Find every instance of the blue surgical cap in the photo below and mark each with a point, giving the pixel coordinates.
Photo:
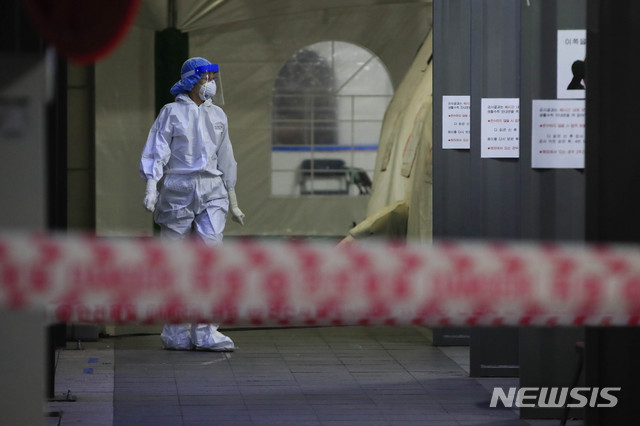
(191, 73)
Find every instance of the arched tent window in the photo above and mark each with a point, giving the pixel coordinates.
(329, 101)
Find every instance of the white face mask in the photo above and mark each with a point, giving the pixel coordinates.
(208, 90)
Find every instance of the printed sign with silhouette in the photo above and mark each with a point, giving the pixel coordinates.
(572, 61)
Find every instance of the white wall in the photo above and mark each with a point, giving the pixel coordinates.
(124, 85)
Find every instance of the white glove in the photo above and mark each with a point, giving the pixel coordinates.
(237, 214)
(151, 195)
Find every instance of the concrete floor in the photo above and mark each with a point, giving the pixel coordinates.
(294, 376)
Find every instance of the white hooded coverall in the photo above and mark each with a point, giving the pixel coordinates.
(189, 147)
(189, 153)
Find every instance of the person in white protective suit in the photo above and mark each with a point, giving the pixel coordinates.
(191, 174)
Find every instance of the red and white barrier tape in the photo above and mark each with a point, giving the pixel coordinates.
(98, 280)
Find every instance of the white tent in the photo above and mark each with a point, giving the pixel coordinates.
(401, 203)
(252, 40)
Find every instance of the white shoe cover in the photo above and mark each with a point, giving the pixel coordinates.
(177, 336)
(207, 336)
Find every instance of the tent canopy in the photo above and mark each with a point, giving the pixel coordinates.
(251, 40)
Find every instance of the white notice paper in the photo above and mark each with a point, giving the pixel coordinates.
(500, 128)
(456, 122)
(557, 134)
(572, 55)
